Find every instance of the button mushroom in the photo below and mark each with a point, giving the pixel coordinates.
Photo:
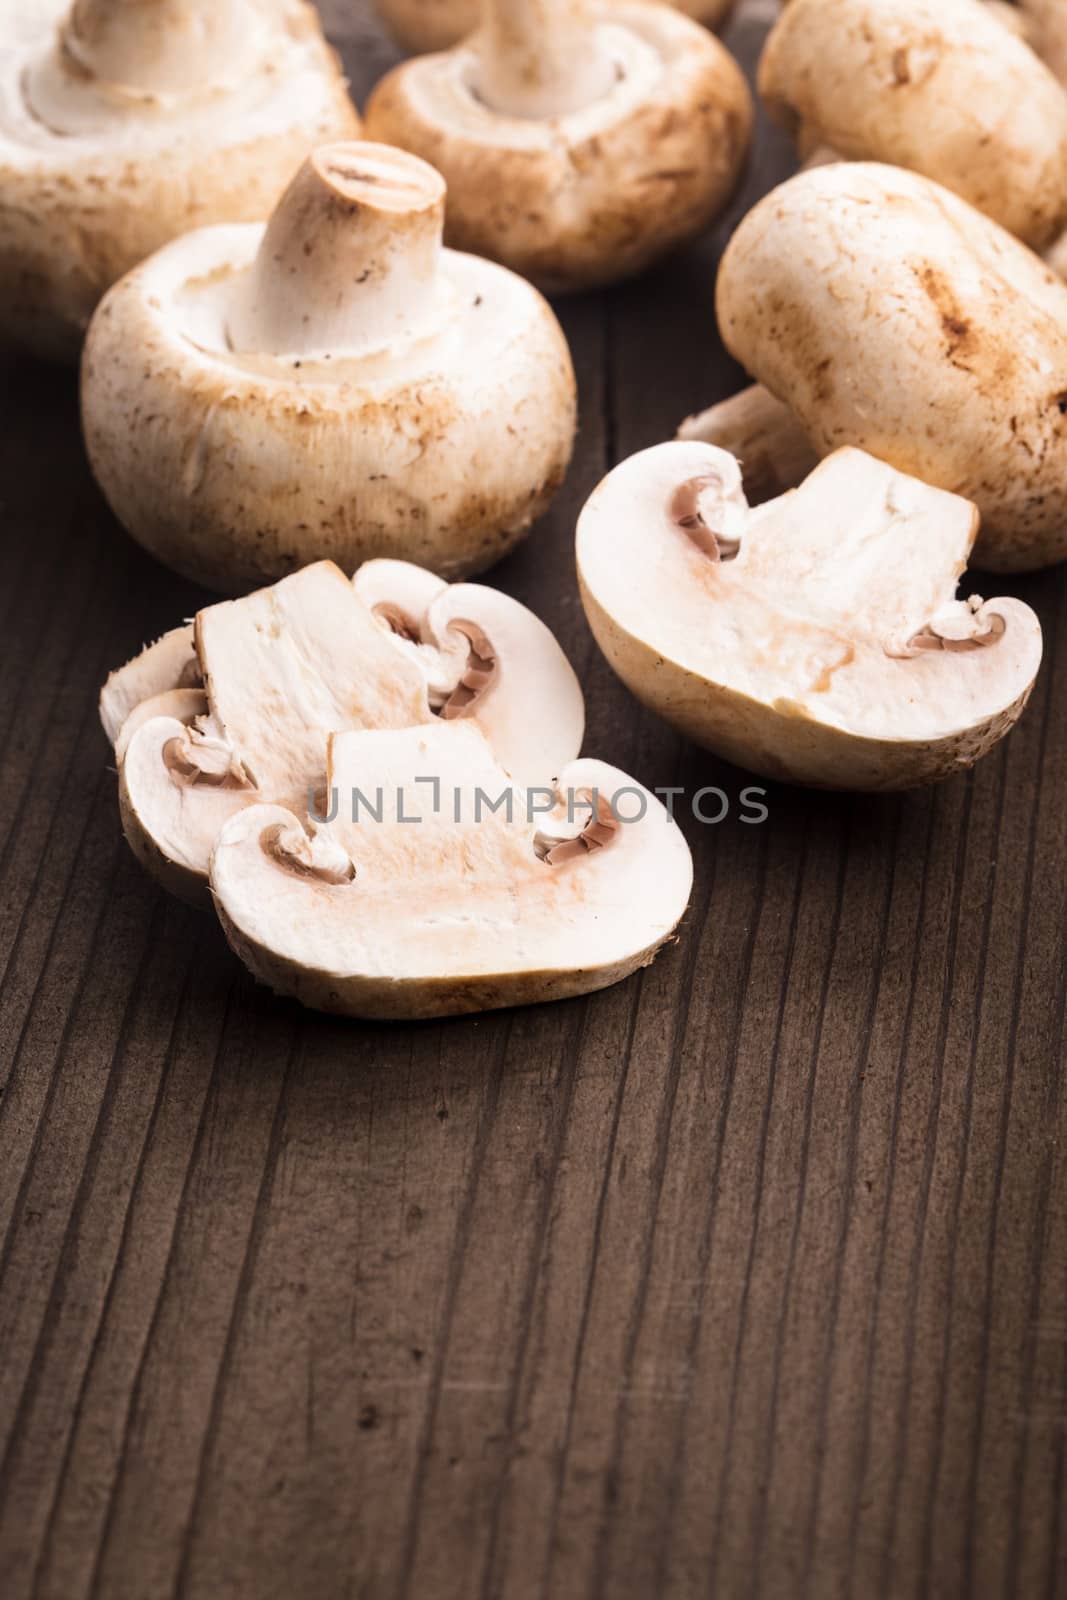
(933, 85)
(816, 639)
(129, 124)
(237, 709)
(433, 891)
(579, 142)
(889, 314)
(424, 25)
(332, 385)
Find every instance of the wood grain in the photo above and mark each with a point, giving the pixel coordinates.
(746, 1278)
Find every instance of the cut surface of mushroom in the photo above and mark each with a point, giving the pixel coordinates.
(425, 897)
(333, 385)
(421, 26)
(937, 86)
(830, 649)
(887, 313)
(578, 141)
(124, 125)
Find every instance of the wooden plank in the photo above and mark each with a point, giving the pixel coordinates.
(744, 1278)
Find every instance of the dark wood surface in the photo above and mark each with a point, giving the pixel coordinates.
(746, 1278)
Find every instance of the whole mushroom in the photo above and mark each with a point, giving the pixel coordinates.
(817, 639)
(579, 142)
(420, 26)
(885, 312)
(330, 385)
(128, 124)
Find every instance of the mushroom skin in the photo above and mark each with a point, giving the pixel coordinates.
(814, 640)
(431, 911)
(330, 386)
(1048, 32)
(889, 314)
(578, 164)
(421, 26)
(127, 125)
(931, 85)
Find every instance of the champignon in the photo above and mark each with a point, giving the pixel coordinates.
(579, 143)
(817, 639)
(275, 673)
(887, 313)
(331, 386)
(1048, 30)
(424, 25)
(933, 85)
(434, 892)
(129, 124)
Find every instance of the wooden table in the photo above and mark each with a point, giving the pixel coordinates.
(746, 1278)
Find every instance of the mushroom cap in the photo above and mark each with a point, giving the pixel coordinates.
(408, 919)
(420, 26)
(933, 85)
(891, 315)
(93, 179)
(284, 668)
(829, 649)
(597, 194)
(234, 469)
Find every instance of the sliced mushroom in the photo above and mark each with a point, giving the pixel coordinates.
(430, 902)
(168, 664)
(933, 85)
(333, 385)
(484, 656)
(830, 650)
(420, 26)
(579, 142)
(128, 124)
(887, 313)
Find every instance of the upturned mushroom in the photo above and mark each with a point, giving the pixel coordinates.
(817, 639)
(434, 891)
(579, 142)
(236, 709)
(128, 124)
(333, 385)
(420, 26)
(885, 312)
(937, 86)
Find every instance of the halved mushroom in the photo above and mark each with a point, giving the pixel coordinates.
(933, 85)
(887, 313)
(283, 668)
(130, 124)
(420, 26)
(433, 892)
(579, 142)
(333, 385)
(817, 639)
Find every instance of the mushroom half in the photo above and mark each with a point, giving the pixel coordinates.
(123, 125)
(933, 85)
(420, 26)
(816, 639)
(333, 385)
(887, 313)
(277, 672)
(579, 141)
(437, 888)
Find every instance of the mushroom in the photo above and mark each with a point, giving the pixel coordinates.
(1048, 30)
(420, 26)
(275, 673)
(816, 639)
(763, 434)
(887, 313)
(937, 86)
(331, 385)
(579, 143)
(419, 899)
(128, 124)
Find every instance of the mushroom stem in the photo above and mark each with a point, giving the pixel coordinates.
(765, 437)
(348, 262)
(541, 58)
(155, 47)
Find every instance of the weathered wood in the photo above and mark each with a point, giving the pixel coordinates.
(748, 1277)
